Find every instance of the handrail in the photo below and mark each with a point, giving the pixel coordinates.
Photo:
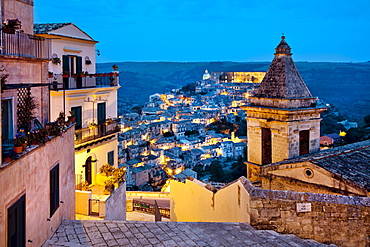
(150, 208)
(89, 134)
(25, 45)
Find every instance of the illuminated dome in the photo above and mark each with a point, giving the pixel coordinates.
(206, 75)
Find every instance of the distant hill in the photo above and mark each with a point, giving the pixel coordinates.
(346, 85)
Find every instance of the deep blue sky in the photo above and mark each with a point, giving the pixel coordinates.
(217, 30)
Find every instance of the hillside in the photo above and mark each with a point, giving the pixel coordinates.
(345, 85)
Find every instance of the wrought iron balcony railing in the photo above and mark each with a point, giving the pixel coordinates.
(60, 82)
(98, 131)
(25, 45)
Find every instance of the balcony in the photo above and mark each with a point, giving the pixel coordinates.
(61, 82)
(24, 45)
(96, 132)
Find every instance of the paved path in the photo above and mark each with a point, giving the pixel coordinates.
(76, 233)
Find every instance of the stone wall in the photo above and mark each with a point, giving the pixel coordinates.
(340, 220)
(115, 205)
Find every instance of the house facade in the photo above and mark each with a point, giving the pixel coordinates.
(88, 96)
(37, 180)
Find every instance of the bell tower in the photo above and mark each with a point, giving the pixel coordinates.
(283, 120)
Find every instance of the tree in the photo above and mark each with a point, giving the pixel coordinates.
(367, 120)
(216, 171)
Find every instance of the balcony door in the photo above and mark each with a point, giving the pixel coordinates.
(17, 223)
(72, 65)
(88, 170)
(101, 117)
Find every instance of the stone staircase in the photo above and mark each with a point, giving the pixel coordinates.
(138, 233)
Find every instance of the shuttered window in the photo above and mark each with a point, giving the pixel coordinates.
(54, 189)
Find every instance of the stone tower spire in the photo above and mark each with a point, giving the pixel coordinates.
(282, 118)
(282, 79)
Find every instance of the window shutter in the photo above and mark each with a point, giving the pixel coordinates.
(65, 64)
(79, 65)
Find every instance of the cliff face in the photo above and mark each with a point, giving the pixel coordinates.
(345, 85)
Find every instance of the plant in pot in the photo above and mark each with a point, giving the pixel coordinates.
(65, 74)
(18, 148)
(106, 169)
(92, 125)
(3, 78)
(71, 116)
(55, 60)
(109, 186)
(50, 74)
(10, 25)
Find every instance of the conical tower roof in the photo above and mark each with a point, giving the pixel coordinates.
(282, 79)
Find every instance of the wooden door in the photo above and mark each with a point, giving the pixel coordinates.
(17, 223)
(266, 146)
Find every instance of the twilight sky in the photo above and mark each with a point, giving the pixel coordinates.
(217, 30)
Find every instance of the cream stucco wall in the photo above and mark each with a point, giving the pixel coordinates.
(88, 100)
(73, 47)
(192, 202)
(98, 152)
(29, 176)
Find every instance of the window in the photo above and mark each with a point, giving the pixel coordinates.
(111, 158)
(78, 114)
(304, 142)
(7, 119)
(266, 146)
(54, 189)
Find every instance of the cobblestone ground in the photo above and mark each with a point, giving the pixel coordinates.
(138, 233)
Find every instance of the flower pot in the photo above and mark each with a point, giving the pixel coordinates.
(7, 159)
(24, 146)
(111, 84)
(73, 119)
(18, 150)
(65, 76)
(50, 76)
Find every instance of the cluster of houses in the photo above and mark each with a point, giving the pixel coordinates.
(172, 133)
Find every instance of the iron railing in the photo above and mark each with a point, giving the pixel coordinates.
(60, 82)
(150, 208)
(98, 131)
(25, 45)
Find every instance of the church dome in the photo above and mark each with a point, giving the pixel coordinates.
(206, 75)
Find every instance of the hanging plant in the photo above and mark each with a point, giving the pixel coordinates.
(3, 77)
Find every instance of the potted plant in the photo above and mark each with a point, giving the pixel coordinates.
(115, 67)
(18, 148)
(71, 116)
(65, 74)
(92, 125)
(55, 60)
(3, 78)
(109, 186)
(50, 74)
(111, 81)
(107, 169)
(10, 25)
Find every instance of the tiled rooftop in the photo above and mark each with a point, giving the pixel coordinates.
(47, 27)
(350, 161)
(133, 233)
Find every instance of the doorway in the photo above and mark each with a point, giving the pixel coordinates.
(88, 170)
(17, 223)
